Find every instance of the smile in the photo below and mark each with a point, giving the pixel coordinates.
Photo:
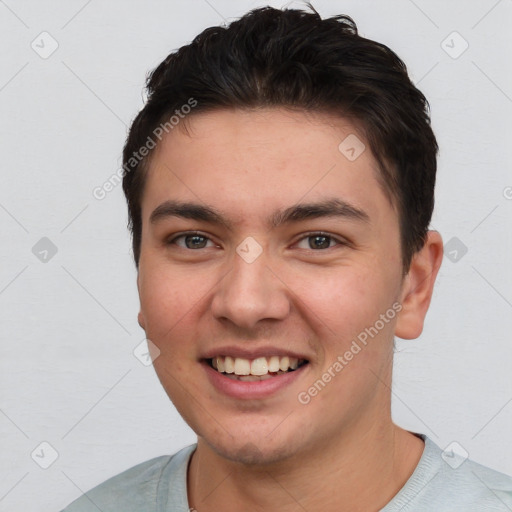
(242, 384)
(261, 368)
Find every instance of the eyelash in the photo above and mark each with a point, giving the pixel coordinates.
(312, 234)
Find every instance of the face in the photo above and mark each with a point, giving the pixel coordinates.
(255, 272)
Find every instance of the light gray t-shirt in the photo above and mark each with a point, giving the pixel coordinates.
(449, 484)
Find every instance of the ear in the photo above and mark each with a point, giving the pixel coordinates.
(140, 316)
(141, 321)
(418, 287)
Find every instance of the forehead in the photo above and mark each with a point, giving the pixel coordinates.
(254, 161)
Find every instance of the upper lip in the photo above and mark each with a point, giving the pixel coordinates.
(254, 353)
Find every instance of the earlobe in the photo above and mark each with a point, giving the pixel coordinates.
(140, 316)
(140, 319)
(418, 287)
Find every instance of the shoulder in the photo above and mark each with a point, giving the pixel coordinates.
(141, 487)
(477, 487)
(448, 482)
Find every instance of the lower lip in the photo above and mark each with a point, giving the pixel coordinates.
(251, 390)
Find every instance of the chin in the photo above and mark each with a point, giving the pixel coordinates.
(253, 450)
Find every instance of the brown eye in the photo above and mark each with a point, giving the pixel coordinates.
(318, 241)
(191, 241)
(195, 241)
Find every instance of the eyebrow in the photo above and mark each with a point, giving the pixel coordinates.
(334, 207)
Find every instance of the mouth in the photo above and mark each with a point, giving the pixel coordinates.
(253, 370)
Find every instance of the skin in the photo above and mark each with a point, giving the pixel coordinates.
(341, 451)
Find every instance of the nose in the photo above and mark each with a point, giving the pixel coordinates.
(249, 293)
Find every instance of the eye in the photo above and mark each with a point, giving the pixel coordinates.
(315, 241)
(191, 240)
(320, 241)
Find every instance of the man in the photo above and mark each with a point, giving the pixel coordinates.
(280, 185)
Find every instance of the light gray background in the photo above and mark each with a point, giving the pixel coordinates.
(68, 375)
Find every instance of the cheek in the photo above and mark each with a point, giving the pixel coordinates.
(166, 299)
(344, 300)
(345, 305)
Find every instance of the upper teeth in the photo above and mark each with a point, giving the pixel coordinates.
(258, 366)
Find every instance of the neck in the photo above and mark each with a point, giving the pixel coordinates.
(361, 471)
